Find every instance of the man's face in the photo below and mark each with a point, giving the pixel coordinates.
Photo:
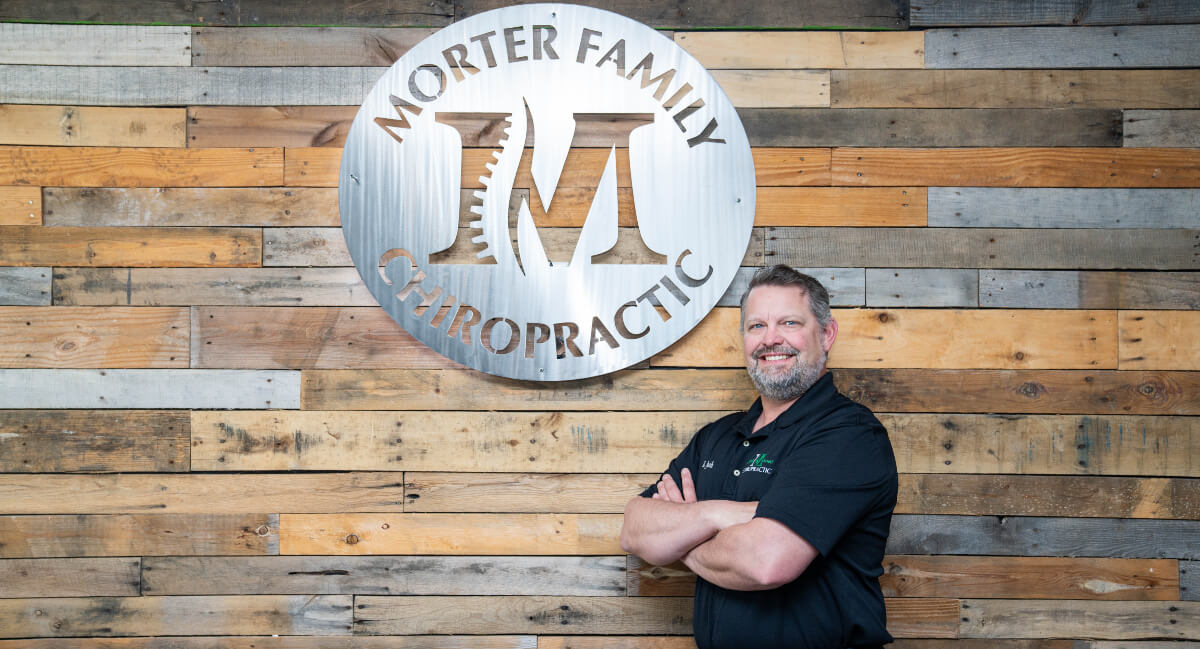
(785, 346)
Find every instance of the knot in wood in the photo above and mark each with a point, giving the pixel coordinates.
(352, 539)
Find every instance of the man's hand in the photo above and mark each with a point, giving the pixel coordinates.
(669, 492)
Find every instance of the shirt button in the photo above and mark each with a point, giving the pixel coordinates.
(737, 472)
(746, 443)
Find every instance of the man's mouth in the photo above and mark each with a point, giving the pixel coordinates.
(775, 357)
(775, 354)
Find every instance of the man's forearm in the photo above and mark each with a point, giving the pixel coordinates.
(662, 532)
(757, 555)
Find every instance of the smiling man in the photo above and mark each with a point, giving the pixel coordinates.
(782, 511)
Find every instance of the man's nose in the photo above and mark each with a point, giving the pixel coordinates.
(772, 336)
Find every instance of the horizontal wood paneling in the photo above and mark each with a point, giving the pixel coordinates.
(774, 88)
(940, 287)
(595, 493)
(1068, 619)
(94, 337)
(840, 206)
(107, 577)
(93, 440)
(20, 388)
(815, 49)
(210, 286)
(287, 642)
(185, 206)
(1004, 207)
(140, 167)
(25, 286)
(20, 206)
(302, 46)
(1159, 340)
(92, 126)
(846, 286)
(138, 534)
(1066, 289)
(716, 13)
(613, 642)
(1136, 46)
(1162, 128)
(1050, 12)
(288, 126)
(94, 45)
(71, 246)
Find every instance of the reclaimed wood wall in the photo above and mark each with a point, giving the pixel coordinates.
(209, 431)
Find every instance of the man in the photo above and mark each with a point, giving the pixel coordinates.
(782, 511)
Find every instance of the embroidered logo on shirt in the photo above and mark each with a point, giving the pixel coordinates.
(759, 464)
(707, 464)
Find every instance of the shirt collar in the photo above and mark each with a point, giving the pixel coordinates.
(814, 399)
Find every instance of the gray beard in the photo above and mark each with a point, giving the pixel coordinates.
(790, 385)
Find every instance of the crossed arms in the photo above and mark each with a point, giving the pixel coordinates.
(719, 540)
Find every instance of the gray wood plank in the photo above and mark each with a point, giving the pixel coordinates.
(393, 575)
(103, 577)
(1039, 207)
(916, 127)
(231, 389)
(220, 287)
(98, 45)
(124, 535)
(922, 287)
(844, 14)
(1001, 618)
(984, 248)
(25, 286)
(233, 12)
(1189, 581)
(303, 46)
(1162, 128)
(35, 441)
(344, 642)
(1137, 46)
(190, 206)
(1068, 289)
(1044, 537)
(947, 13)
(846, 286)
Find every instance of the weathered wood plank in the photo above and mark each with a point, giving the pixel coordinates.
(716, 13)
(108, 577)
(589, 576)
(1069, 289)
(984, 248)
(210, 287)
(139, 167)
(775, 88)
(1189, 581)
(1044, 537)
(1050, 12)
(997, 618)
(593, 493)
(1124, 46)
(89, 440)
(138, 535)
(116, 246)
(235, 13)
(840, 206)
(940, 287)
(20, 205)
(985, 339)
(186, 206)
(450, 534)
(613, 642)
(286, 126)
(303, 46)
(299, 642)
(92, 126)
(1162, 128)
(1005, 207)
(50, 337)
(323, 615)
(124, 389)
(820, 50)
(846, 286)
(95, 45)
(25, 286)
(1014, 88)
(1159, 340)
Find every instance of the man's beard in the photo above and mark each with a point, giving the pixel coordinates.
(789, 385)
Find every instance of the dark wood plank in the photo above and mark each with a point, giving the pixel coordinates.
(41, 441)
(887, 14)
(294, 642)
(1162, 128)
(107, 577)
(413, 575)
(139, 167)
(1138, 46)
(998, 618)
(25, 286)
(1070, 289)
(187, 206)
(287, 126)
(1038, 207)
(1035, 495)
(948, 13)
(138, 535)
(234, 12)
(87, 246)
(210, 287)
(117, 337)
(303, 46)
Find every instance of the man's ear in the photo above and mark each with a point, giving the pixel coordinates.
(829, 334)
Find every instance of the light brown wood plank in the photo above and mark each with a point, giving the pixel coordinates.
(1159, 340)
(118, 337)
(138, 535)
(775, 88)
(140, 167)
(93, 126)
(841, 206)
(211, 287)
(20, 206)
(593, 493)
(93, 440)
(188, 206)
(451, 534)
(805, 49)
(124, 247)
(613, 642)
(998, 618)
(107, 577)
(303, 46)
(285, 642)
(271, 126)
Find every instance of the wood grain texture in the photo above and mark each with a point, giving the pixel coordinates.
(1014, 88)
(846, 286)
(302, 46)
(1189, 581)
(775, 88)
(321, 615)
(1067, 289)
(118, 337)
(139, 167)
(417, 575)
(613, 642)
(92, 126)
(1005, 207)
(286, 126)
(984, 248)
(44, 441)
(450, 534)
(1052, 12)
(840, 206)
(1124, 46)
(25, 286)
(937, 287)
(126, 389)
(236, 13)
(107, 577)
(100, 246)
(94, 45)
(592, 493)
(820, 50)
(210, 287)
(186, 206)
(983, 618)
(20, 205)
(138, 534)
(715, 13)
(1162, 128)
(289, 642)
(1164, 340)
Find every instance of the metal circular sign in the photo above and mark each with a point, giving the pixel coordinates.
(547, 192)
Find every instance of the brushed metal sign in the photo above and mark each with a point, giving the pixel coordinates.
(472, 273)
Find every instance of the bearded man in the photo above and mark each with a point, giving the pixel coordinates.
(782, 511)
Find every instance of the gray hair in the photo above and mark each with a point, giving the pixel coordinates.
(781, 275)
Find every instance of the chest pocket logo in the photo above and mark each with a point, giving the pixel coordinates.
(707, 464)
(760, 464)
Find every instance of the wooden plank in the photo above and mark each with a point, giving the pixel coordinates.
(984, 248)
(93, 337)
(1005, 207)
(124, 389)
(846, 286)
(985, 339)
(1070, 289)
(1018, 167)
(560, 442)
(947, 13)
(451, 534)
(938, 287)
(139, 167)
(322, 615)
(840, 206)
(994, 618)
(822, 50)
(290, 642)
(593, 493)
(92, 125)
(1162, 128)
(115, 246)
(95, 45)
(303, 46)
(195, 494)
(235, 13)
(442, 575)
(1189, 581)
(716, 13)
(25, 286)
(138, 534)
(1014, 89)
(186, 206)
(1022, 536)
(1124, 46)
(1159, 340)
(108, 577)
(914, 127)
(20, 205)
(286, 126)
(89, 440)
(613, 642)
(210, 287)
(775, 88)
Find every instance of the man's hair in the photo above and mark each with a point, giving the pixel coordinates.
(781, 275)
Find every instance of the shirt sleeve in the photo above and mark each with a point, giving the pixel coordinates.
(686, 458)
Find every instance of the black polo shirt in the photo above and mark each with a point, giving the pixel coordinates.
(825, 469)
